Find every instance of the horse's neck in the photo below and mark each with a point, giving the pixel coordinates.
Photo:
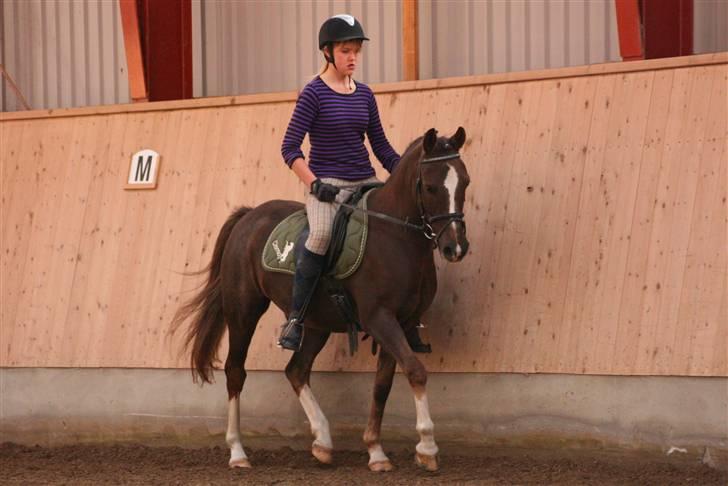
(397, 197)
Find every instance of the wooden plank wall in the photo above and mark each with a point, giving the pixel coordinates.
(597, 218)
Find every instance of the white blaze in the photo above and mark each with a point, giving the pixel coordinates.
(451, 184)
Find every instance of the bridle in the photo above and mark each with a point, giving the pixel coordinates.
(427, 221)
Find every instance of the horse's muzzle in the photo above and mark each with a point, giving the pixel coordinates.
(455, 251)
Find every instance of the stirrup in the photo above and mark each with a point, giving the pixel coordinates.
(291, 336)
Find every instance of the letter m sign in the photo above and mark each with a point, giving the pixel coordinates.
(143, 170)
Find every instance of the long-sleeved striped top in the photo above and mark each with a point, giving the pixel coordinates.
(336, 124)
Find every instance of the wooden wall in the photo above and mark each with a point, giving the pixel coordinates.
(597, 218)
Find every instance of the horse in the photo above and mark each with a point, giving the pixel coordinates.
(393, 287)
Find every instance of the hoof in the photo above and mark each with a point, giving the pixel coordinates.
(381, 466)
(428, 462)
(239, 463)
(322, 454)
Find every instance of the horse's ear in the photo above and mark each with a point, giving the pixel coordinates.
(428, 143)
(458, 139)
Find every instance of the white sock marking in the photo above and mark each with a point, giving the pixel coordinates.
(232, 436)
(376, 454)
(425, 427)
(319, 424)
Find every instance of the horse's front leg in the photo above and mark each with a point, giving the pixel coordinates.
(390, 336)
(298, 373)
(378, 461)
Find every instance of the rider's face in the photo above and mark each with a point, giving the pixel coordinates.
(346, 56)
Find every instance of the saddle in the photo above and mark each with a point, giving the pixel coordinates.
(346, 249)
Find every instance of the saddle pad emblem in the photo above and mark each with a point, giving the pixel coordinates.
(282, 256)
(279, 248)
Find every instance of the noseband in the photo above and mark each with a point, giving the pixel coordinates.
(427, 220)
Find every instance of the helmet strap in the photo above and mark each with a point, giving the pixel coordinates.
(330, 57)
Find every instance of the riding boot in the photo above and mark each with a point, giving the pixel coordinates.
(309, 268)
(415, 342)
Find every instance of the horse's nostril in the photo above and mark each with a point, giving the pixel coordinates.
(448, 251)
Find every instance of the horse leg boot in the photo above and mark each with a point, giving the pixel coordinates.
(309, 268)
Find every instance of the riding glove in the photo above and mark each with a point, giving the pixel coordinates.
(324, 192)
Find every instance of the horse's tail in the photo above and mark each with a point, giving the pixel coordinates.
(208, 323)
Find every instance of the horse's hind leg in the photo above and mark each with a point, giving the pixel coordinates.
(385, 328)
(242, 315)
(386, 366)
(298, 373)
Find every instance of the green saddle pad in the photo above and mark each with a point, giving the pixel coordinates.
(279, 251)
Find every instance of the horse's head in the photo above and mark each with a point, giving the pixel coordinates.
(441, 183)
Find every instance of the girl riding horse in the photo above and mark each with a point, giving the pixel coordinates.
(336, 111)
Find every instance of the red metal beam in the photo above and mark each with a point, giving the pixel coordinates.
(668, 28)
(629, 26)
(132, 45)
(650, 29)
(167, 41)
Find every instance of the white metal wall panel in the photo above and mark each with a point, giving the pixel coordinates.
(196, 49)
(457, 38)
(464, 37)
(710, 26)
(262, 46)
(63, 53)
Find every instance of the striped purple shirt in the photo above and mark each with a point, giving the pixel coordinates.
(336, 124)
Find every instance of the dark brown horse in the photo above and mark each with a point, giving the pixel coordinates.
(394, 286)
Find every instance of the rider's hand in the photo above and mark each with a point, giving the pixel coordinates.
(324, 192)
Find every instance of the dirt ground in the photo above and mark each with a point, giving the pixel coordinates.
(138, 464)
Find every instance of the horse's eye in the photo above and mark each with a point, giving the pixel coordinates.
(431, 189)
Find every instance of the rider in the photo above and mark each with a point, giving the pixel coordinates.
(335, 110)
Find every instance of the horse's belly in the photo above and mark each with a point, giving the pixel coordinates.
(323, 314)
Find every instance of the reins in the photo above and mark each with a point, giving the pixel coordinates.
(427, 221)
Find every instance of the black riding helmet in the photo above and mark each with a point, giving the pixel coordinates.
(339, 28)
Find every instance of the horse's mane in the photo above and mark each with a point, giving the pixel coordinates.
(410, 148)
(412, 145)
